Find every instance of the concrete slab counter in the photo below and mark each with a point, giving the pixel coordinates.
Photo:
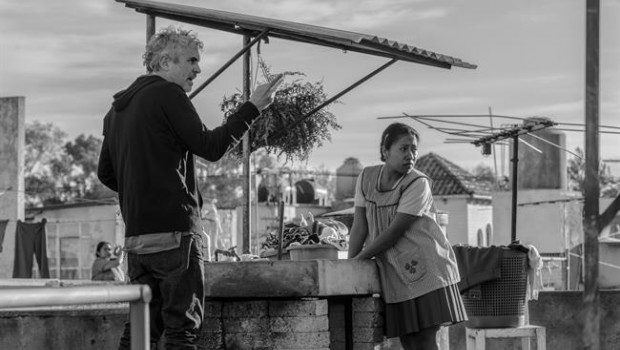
(314, 304)
(286, 279)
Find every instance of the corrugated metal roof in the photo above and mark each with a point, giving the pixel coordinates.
(449, 179)
(253, 25)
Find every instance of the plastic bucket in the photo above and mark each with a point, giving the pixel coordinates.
(313, 252)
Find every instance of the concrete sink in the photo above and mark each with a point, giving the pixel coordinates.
(281, 279)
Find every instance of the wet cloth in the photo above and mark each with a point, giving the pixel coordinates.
(3, 225)
(30, 239)
(534, 276)
(478, 264)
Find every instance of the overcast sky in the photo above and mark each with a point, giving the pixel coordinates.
(67, 57)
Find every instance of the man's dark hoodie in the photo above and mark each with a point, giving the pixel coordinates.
(150, 135)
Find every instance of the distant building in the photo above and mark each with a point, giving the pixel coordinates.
(466, 200)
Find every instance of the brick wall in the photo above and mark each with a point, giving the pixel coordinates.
(307, 323)
(367, 321)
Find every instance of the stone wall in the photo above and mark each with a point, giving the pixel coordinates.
(96, 328)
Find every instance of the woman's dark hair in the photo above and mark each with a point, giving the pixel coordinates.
(99, 246)
(392, 133)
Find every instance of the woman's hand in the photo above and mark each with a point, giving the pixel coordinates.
(118, 252)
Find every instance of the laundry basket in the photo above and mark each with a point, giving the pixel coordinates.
(500, 303)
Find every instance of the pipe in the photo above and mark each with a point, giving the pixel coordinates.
(515, 170)
(139, 297)
(52, 296)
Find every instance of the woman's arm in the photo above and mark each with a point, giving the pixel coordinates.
(101, 266)
(359, 232)
(401, 223)
(110, 264)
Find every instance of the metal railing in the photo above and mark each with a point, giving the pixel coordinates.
(138, 296)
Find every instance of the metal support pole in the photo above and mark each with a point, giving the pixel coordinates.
(140, 326)
(229, 63)
(280, 227)
(150, 27)
(515, 171)
(336, 96)
(591, 298)
(246, 155)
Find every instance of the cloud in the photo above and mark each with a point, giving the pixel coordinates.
(69, 57)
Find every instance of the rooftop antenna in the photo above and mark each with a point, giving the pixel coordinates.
(529, 126)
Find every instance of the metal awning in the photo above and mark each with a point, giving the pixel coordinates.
(253, 29)
(252, 25)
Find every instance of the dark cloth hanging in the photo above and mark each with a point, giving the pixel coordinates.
(477, 264)
(30, 238)
(3, 225)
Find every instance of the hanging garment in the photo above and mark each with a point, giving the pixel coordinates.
(3, 225)
(30, 238)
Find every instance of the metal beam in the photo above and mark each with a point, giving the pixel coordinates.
(233, 59)
(335, 97)
(150, 27)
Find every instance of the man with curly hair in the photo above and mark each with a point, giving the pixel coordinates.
(151, 134)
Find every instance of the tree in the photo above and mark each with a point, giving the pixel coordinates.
(46, 164)
(609, 187)
(484, 173)
(57, 171)
(85, 152)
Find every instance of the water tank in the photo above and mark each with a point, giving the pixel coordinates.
(545, 169)
(346, 177)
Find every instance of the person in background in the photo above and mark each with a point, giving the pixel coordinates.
(151, 134)
(107, 265)
(394, 223)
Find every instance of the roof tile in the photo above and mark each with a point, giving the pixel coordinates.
(449, 179)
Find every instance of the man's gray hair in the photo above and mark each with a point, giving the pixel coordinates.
(168, 41)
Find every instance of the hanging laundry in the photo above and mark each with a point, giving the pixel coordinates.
(30, 239)
(3, 225)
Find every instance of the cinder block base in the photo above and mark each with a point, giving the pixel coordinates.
(305, 323)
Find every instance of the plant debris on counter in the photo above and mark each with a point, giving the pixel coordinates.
(308, 232)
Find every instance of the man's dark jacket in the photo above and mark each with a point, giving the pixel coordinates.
(150, 135)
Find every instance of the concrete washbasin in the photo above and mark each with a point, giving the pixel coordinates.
(286, 278)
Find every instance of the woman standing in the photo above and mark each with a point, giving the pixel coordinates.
(104, 267)
(394, 223)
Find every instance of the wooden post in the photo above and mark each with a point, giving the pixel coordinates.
(591, 297)
(246, 156)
